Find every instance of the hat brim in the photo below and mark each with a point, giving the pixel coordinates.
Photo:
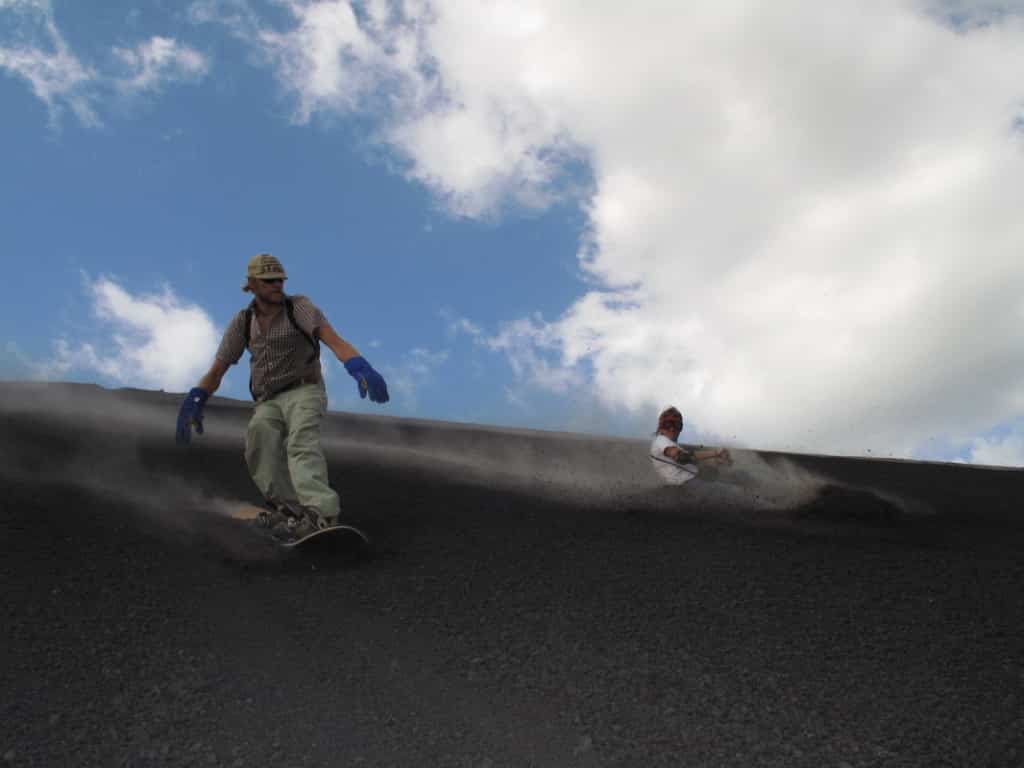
(270, 276)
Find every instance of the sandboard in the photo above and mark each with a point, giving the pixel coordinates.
(341, 539)
(707, 468)
(335, 539)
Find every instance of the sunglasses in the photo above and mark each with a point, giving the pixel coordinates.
(272, 280)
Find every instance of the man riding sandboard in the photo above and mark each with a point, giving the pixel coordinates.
(282, 445)
(676, 464)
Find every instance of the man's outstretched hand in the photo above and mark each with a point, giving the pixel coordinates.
(368, 380)
(191, 413)
(722, 457)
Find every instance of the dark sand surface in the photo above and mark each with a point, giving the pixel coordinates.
(533, 600)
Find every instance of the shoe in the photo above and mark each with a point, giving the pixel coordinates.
(290, 521)
(276, 522)
(299, 527)
(307, 521)
(288, 529)
(312, 513)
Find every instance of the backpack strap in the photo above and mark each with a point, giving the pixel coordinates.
(247, 327)
(247, 334)
(289, 308)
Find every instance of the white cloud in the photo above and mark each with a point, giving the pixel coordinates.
(40, 55)
(524, 342)
(157, 61)
(454, 326)
(153, 341)
(326, 58)
(468, 144)
(405, 379)
(33, 48)
(803, 223)
(1005, 451)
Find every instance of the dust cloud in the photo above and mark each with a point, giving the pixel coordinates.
(120, 445)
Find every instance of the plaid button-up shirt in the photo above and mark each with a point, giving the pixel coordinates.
(282, 355)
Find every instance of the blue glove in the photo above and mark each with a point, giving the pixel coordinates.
(191, 413)
(367, 379)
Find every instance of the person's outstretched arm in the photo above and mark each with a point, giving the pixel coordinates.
(367, 379)
(191, 412)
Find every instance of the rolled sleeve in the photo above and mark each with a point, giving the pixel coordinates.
(232, 345)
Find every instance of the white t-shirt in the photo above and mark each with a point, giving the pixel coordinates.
(671, 472)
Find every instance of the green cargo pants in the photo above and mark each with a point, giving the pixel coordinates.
(282, 449)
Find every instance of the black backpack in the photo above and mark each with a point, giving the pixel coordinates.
(289, 310)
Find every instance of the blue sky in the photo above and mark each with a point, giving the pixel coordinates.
(487, 203)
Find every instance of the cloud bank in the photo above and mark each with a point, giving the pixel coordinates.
(803, 217)
(1006, 450)
(152, 341)
(418, 368)
(33, 48)
(158, 61)
(37, 52)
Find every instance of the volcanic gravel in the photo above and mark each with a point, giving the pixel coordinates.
(495, 626)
